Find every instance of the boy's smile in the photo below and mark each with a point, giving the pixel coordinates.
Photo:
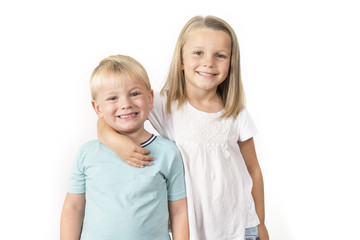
(127, 116)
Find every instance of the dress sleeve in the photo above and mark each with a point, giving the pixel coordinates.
(77, 181)
(247, 128)
(158, 115)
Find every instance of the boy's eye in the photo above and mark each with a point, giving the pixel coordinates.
(134, 94)
(112, 98)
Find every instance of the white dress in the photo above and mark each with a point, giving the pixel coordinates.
(218, 184)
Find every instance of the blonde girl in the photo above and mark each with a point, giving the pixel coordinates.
(202, 108)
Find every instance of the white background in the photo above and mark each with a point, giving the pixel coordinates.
(300, 68)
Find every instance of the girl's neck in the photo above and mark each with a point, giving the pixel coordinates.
(205, 102)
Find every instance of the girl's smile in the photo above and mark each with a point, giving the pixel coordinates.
(206, 74)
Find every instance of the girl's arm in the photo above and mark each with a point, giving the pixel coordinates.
(179, 219)
(248, 152)
(72, 217)
(129, 151)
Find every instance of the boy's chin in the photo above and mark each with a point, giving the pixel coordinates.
(132, 132)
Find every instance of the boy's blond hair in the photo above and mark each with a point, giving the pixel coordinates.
(230, 91)
(114, 68)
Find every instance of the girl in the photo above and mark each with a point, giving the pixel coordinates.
(202, 109)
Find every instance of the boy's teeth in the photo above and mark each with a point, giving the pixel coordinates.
(126, 116)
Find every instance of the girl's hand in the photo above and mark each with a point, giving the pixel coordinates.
(133, 154)
(123, 146)
(262, 232)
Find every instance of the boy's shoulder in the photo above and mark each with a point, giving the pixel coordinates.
(167, 154)
(89, 148)
(90, 144)
(164, 147)
(165, 143)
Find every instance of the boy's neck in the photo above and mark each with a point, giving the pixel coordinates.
(139, 136)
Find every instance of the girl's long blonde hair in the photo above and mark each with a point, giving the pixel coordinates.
(231, 90)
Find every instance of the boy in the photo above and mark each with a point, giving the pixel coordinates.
(109, 199)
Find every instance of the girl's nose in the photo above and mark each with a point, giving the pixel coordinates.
(208, 62)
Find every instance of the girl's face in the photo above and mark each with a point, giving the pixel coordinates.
(206, 59)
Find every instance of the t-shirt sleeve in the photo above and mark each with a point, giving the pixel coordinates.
(158, 114)
(77, 183)
(247, 128)
(176, 180)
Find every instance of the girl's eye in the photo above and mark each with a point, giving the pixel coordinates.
(198, 53)
(221, 56)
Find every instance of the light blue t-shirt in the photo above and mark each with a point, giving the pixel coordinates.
(125, 202)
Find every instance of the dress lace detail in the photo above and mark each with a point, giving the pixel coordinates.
(204, 128)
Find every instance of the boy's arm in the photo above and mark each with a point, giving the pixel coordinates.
(248, 152)
(72, 217)
(179, 219)
(123, 146)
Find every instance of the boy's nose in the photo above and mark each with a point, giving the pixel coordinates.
(124, 103)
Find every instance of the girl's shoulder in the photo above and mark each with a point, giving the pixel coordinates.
(160, 102)
(246, 125)
(159, 98)
(243, 113)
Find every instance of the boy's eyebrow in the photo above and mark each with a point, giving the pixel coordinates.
(110, 91)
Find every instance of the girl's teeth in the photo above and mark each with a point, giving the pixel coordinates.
(206, 74)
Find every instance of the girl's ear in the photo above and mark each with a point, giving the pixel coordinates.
(97, 108)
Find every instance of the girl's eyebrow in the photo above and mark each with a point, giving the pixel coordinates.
(196, 47)
(223, 50)
(202, 47)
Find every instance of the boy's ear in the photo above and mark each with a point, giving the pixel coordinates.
(151, 98)
(97, 108)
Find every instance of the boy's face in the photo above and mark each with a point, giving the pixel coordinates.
(124, 106)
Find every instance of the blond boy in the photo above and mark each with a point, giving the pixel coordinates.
(109, 199)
